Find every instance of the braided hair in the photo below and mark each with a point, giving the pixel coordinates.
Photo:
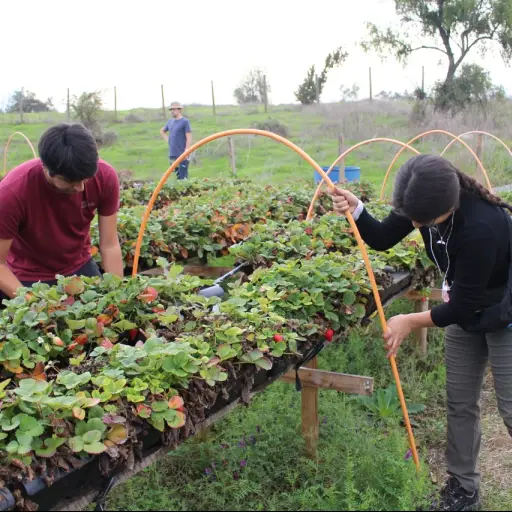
(469, 184)
(428, 186)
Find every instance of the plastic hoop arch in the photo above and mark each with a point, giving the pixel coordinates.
(7, 149)
(429, 132)
(477, 132)
(347, 152)
(307, 158)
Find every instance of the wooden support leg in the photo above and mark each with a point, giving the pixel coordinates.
(420, 306)
(310, 424)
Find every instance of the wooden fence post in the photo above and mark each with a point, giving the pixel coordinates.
(21, 105)
(213, 102)
(343, 178)
(265, 99)
(163, 103)
(420, 306)
(371, 86)
(317, 88)
(310, 424)
(231, 153)
(479, 153)
(115, 103)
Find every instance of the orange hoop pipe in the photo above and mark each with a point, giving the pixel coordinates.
(307, 158)
(7, 149)
(455, 138)
(477, 132)
(347, 152)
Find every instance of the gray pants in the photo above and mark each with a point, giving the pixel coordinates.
(467, 355)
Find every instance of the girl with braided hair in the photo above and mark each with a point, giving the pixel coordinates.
(466, 233)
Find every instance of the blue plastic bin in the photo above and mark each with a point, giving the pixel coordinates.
(352, 173)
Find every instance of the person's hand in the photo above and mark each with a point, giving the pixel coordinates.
(399, 327)
(343, 200)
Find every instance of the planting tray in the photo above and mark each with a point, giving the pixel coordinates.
(77, 488)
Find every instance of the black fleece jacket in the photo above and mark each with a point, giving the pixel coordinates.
(478, 251)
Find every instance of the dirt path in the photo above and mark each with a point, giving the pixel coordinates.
(495, 462)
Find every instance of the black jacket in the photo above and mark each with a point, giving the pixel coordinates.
(478, 252)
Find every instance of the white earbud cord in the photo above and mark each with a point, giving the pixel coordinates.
(447, 255)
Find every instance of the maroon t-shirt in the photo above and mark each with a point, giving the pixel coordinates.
(49, 229)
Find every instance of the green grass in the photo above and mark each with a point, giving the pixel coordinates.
(141, 150)
(361, 464)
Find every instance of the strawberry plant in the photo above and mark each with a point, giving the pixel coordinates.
(89, 363)
(187, 226)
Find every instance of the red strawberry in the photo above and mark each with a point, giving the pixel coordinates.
(106, 343)
(58, 342)
(104, 319)
(69, 301)
(133, 334)
(81, 340)
(148, 295)
(329, 335)
(278, 338)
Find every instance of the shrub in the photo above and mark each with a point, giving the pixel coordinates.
(132, 118)
(272, 125)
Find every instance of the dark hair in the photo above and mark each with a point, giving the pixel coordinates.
(70, 151)
(428, 186)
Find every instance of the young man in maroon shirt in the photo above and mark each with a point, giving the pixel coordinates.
(46, 209)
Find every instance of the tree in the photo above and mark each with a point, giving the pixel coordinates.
(306, 92)
(349, 93)
(451, 27)
(87, 108)
(471, 86)
(29, 103)
(253, 88)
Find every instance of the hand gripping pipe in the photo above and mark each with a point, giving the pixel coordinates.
(307, 158)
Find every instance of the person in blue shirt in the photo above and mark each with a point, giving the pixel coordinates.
(178, 134)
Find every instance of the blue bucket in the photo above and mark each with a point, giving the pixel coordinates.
(351, 174)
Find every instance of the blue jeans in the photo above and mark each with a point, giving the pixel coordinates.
(182, 170)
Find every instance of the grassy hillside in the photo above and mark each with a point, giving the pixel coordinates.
(140, 149)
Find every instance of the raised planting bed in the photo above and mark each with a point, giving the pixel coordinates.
(198, 226)
(98, 376)
(87, 418)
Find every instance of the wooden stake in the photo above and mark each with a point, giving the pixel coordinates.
(435, 295)
(265, 99)
(479, 153)
(68, 108)
(163, 104)
(322, 379)
(213, 101)
(343, 178)
(423, 79)
(317, 88)
(371, 86)
(420, 306)
(115, 103)
(310, 425)
(21, 106)
(231, 153)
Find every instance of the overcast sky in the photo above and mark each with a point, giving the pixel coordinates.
(49, 46)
